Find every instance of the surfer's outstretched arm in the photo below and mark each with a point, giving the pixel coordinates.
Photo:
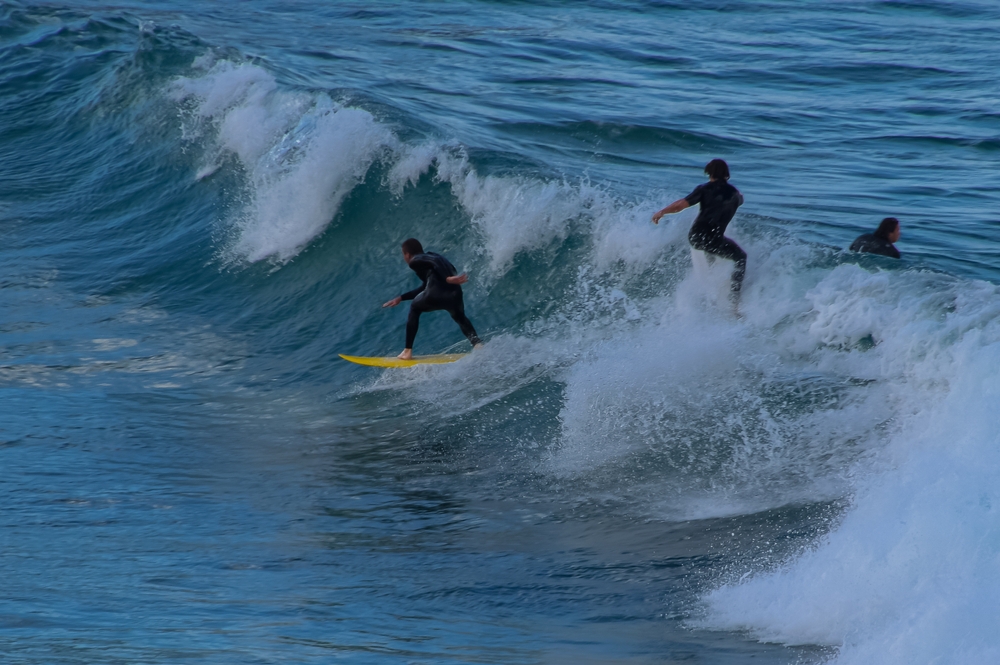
(409, 295)
(676, 206)
(457, 279)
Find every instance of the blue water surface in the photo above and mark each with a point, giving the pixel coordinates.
(189, 473)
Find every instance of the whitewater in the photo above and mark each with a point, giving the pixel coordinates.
(202, 205)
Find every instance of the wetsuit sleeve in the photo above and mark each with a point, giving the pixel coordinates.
(425, 264)
(446, 269)
(421, 263)
(410, 295)
(695, 197)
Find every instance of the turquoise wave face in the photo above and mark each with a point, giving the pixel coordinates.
(201, 207)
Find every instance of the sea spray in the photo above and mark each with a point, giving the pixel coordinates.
(302, 154)
(181, 439)
(723, 416)
(911, 574)
(700, 415)
(512, 214)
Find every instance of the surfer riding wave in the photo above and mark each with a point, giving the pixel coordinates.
(441, 290)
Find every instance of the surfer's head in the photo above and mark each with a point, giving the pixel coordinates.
(717, 169)
(411, 247)
(888, 229)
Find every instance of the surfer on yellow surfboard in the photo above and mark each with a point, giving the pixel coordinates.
(441, 289)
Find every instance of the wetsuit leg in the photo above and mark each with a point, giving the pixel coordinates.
(725, 248)
(412, 324)
(457, 311)
(728, 249)
(450, 301)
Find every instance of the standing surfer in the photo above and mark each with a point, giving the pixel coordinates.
(719, 201)
(441, 289)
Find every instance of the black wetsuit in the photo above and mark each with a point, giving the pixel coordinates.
(875, 244)
(435, 293)
(719, 201)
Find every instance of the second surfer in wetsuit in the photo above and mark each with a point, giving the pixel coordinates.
(441, 289)
(881, 241)
(719, 201)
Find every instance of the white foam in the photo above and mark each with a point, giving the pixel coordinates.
(295, 205)
(624, 234)
(302, 154)
(412, 163)
(668, 397)
(667, 401)
(702, 400)
(912, 573)
(514, 214)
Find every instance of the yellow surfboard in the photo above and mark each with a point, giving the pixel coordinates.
(392, 361)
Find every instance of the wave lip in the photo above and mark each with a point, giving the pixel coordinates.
(302, 154)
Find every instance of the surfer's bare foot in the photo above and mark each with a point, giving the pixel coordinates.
(407, 354)
(477, 346)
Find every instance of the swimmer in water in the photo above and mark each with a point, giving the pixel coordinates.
(441, 289)
(719, 201)
(881, 241)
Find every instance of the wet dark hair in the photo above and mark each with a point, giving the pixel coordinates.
(885, 229)
(717, 169)
(412, 247)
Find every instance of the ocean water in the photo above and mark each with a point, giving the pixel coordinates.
(201, 205)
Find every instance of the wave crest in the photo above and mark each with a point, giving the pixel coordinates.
(302, 154)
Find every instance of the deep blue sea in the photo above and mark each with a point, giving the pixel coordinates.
(201, 206)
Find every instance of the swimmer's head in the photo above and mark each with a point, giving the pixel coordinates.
(717, 169)
(411, 247)
(888, 229)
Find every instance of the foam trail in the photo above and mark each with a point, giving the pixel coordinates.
(302, 154)
(912, 573)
